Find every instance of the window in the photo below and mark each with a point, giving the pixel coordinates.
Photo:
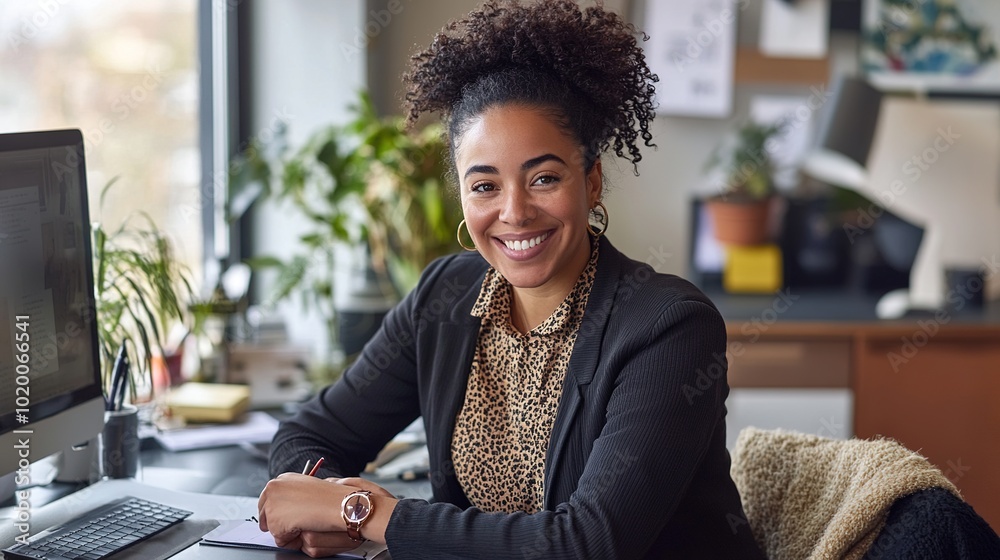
(126, 74)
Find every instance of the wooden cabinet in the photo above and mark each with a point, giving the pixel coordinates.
(935, 390)
(940, 395)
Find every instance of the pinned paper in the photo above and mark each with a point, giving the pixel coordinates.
(692, 49)
(799, 29)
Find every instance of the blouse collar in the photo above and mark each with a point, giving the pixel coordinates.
(495, 297)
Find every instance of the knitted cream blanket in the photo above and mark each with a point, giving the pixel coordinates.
(811, 497)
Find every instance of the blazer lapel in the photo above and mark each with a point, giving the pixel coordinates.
(453, 343)
(586, 354)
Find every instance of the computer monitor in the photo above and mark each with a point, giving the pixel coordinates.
(50, 380)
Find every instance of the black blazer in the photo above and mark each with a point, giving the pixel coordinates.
(636, 465)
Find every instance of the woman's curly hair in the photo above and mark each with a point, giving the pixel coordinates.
(585, 66)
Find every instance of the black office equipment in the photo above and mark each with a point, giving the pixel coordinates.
(815, 249)
(884, 256)
(845, 15)
(101, 533)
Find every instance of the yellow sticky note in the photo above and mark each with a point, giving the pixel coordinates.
(752, 269)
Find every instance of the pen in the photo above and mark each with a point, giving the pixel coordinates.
(305, 470)
(126, 366)
(115, 378)
(315, 468)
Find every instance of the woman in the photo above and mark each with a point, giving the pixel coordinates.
(557, 379)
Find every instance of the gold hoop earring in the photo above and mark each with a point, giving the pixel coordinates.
(459, 235)
(602, 219)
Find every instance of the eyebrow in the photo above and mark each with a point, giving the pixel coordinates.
(524, 166)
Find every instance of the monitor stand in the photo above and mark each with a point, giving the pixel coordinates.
(7, 487)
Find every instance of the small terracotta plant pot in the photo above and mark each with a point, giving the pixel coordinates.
(740, 222)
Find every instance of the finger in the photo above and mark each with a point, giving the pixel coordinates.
(322, 543)
(324, 552)
(286, 537)
(269, 488)
(262, 520)
(292, 544)
(363, 484)
(263, 498)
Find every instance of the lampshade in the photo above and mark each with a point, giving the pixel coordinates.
(847, 129)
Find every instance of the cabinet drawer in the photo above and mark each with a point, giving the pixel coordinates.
(789, 364)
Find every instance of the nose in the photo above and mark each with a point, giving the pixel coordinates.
(518, 208)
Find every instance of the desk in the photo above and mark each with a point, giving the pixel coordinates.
(232, 471)
(216, 484)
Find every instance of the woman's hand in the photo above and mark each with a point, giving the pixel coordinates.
(319, 545)
(304, 513)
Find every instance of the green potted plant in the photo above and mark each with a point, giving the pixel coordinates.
(740, 213)
(141, 292)
(370, 184)
(412, 215)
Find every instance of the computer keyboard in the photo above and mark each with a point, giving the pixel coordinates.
(100, 532)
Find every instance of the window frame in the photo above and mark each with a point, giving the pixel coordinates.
(223, 77)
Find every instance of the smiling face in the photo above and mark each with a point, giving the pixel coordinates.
(526, 197)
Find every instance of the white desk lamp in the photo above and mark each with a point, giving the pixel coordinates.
(847, 132)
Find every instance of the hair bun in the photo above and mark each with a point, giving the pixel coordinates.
(592, 51)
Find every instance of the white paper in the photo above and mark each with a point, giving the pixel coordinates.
(692, 49)
(241, 532)
(798, 29)
(709, 256)
(256, 427)
(789, 148)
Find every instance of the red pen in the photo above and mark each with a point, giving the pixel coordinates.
(315, 468)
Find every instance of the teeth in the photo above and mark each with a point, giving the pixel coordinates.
(525, 244)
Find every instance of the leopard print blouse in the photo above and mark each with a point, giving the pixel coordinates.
(515, 384)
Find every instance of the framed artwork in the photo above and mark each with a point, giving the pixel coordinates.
(933, 46)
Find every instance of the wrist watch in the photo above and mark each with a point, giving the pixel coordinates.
(356, 508)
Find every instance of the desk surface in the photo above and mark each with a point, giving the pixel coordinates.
(216, 484)
(233, 471)
(835, 306)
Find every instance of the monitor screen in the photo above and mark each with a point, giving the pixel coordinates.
(49, 354)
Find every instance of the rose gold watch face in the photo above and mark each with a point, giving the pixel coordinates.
(357, 508)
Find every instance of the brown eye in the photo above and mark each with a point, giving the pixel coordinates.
(482, 187)
(547, 180)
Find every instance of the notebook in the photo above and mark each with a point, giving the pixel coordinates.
(209, 402)
(247, 534)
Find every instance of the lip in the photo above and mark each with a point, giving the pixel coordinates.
(527, 254)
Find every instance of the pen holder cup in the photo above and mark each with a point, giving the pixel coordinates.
(964, 287)
(120, 443)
